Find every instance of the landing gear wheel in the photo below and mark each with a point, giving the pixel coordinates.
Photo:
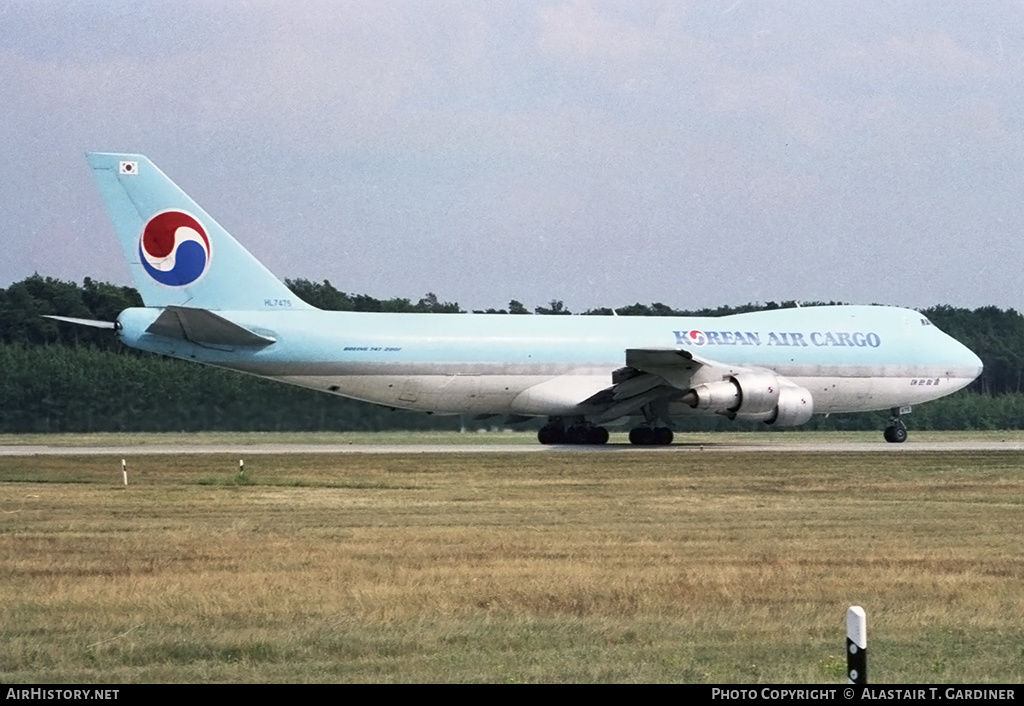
(646, 436)
(640, 436)
(551, 434)
(576, 434)
(663, 436)
(896, 431)
(895, 434)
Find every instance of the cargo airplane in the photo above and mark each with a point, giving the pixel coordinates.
(208, 300)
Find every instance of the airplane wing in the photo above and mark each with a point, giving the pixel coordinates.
(658, 376)
(651, 375)
(676, 365)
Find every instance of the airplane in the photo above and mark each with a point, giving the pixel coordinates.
(208, 300)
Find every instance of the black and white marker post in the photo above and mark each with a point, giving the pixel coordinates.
(856, 646)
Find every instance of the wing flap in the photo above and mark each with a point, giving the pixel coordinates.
(675, 366)
(629, 405)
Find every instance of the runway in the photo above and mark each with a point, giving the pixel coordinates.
(953, 446)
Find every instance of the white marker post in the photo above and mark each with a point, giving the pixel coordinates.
(856, 646)
(124, 471)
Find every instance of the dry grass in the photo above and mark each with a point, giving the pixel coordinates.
(630, 566)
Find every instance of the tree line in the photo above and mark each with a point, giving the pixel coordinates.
(61, 377)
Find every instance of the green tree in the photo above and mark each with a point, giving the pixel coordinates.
(555, 306)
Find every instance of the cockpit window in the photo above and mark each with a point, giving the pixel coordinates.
(925, 322)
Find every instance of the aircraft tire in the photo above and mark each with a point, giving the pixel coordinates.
(895, 434)
(585, 434)
(550, 434)
(641, 436)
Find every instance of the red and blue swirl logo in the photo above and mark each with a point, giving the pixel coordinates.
(697, 338)
(174, 248)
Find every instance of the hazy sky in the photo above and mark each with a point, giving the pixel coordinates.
(602, 153)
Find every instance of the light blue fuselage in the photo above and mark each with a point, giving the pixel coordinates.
(851, 358)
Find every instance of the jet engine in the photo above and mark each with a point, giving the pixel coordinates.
(796, 405)
(755, 394)
(748, 393)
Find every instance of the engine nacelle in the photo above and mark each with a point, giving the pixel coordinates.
(796, 405)
(751, 393)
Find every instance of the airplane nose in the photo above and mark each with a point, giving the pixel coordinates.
(969, 362)
(978, 366)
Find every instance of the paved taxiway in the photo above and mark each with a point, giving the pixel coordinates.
(260, 449)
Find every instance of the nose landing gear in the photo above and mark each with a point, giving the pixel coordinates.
(896, 431)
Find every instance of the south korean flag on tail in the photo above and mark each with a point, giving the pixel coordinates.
(127, 167)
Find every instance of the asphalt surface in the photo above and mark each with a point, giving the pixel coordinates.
(258, 449)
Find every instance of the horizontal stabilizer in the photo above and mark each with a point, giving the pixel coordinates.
(82, 322)
(204, 328)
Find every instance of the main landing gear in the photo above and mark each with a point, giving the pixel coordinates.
(650, 436)
(896, 431)
(649, 433)
(579, 432)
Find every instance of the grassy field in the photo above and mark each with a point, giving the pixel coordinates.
(553, 567)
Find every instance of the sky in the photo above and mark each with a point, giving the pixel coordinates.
(598, 153)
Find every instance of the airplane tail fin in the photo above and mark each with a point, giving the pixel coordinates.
(178, 254)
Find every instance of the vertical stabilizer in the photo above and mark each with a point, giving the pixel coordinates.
(179, 255)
